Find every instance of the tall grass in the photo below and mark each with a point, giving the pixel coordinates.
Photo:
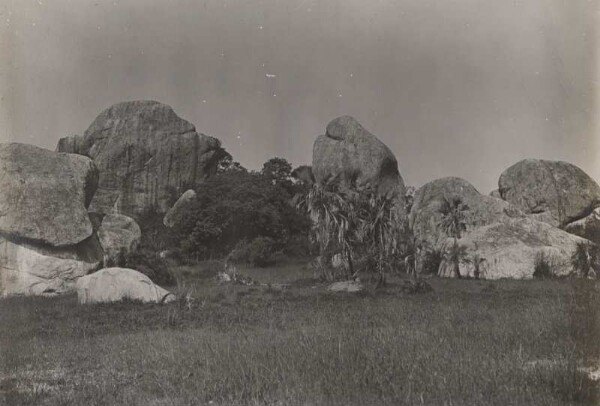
(464, 343)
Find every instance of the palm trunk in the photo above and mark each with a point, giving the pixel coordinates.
(456, 259)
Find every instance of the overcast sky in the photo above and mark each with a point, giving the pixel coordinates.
(463, 88)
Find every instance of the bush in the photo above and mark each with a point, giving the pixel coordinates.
(150, 264)
(543, 268)
(258, 252)
(299, 246)
(431, 262)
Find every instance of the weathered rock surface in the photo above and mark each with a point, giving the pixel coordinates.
(425, 216)
(145, 154)
(554, 191)
(587, 227)
(116, 284)
(44, 195)
(27, 269)
(118, 235)
(510, 248)
(346, 286)
(355, 158)
(175, 214)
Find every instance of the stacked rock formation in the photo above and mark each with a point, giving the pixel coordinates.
(46, 236)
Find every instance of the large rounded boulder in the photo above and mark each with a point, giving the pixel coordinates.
(354, 158)
(552, 191)
(146, 154)
(45, 195)
(480, 210)
(510, 249)
(111, 285)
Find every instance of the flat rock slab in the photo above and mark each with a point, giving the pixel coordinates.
(25, 270)
(111, 285)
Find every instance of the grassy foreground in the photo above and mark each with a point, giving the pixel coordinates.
(467, 342)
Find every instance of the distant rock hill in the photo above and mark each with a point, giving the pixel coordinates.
(146, 154)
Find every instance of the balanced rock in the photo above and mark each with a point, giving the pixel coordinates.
(509, 249)
(480, 210)
(117, 284)
(44, 195)
(355, 158)
(176, 213)
(146, 154)
(119, 235)
(552, 191)
(28, 269)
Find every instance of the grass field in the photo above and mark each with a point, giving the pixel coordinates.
(467, 342)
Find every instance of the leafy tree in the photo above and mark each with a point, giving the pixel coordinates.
(278, 171)
(234, 205)
(585, 258)
(303, 174)
(453, 224)
(227, 164)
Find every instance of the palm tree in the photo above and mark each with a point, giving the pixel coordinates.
(354, 225)
(584, 257)
(333, 216)
(453, 224)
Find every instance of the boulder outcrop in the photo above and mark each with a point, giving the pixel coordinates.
(508, 249)
(117, 284)
(46, 236)
(146, 154)
(352, 156)
(587, 227)
(118, 235)
(175, 213)
(31, 269)
(552, 191)
(481, 210)
(44, 195)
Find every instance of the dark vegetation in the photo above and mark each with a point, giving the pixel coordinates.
(246, 214)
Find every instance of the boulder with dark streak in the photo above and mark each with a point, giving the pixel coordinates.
(147, 156)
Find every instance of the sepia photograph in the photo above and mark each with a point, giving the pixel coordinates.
(299, 202)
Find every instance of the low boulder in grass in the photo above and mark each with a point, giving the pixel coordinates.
(111, 285)
(346, 286)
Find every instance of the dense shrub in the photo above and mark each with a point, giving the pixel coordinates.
(431, 262)
(258, 252)
(150, 264)
(236, 205)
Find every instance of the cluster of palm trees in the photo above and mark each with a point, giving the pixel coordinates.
(361, 228)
